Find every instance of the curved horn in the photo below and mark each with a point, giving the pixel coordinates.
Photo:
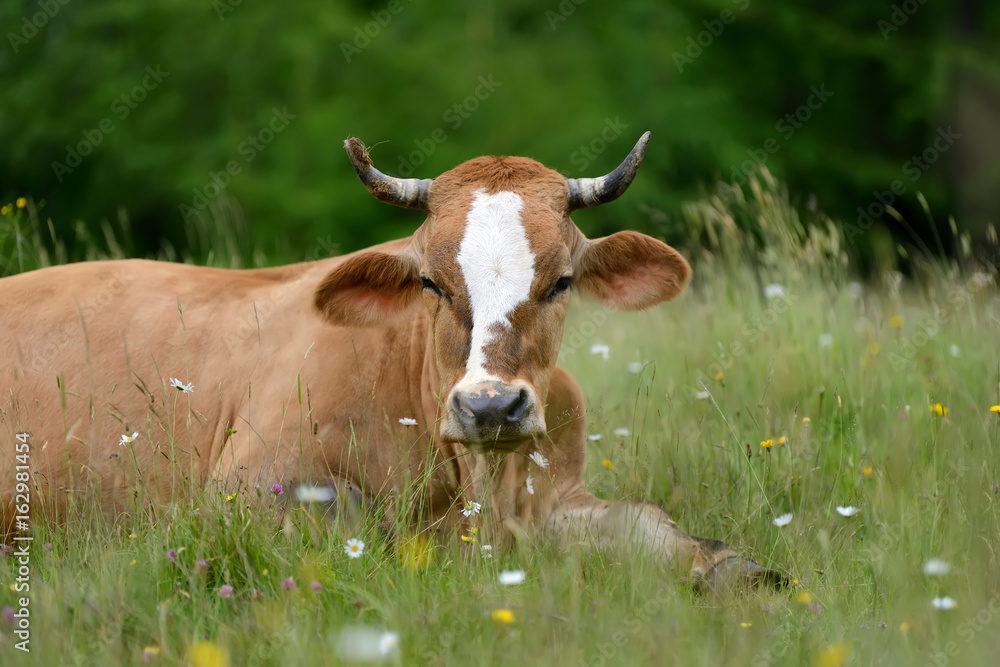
(405, 192)
(587, 192)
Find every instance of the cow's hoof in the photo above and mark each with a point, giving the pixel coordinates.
(739, 573)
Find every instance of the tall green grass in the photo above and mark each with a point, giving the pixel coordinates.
(721, 370)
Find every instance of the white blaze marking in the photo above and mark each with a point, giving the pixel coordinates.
(498, 267)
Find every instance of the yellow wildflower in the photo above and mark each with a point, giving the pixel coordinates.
(21, 202)
(745, 624)
(132, 536)
(718, 378)
(230, 497)
(995, 408)
(466, 538)
(207, 654)
(782, 440)
(939, 409)
(833, 656)
(608, 464)
(867, 471)
(132, 563)
(806, 420)
(503, 616)
(804, 597)
(874, 348)
(767, 444)
(5, 209)
(896, 322)
(415, 553)
(151, 650)
(904, 627)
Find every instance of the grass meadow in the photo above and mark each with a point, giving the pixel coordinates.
(781, 382)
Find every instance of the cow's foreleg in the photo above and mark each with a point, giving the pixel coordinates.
(585, 520)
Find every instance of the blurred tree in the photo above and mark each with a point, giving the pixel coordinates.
(169, 108)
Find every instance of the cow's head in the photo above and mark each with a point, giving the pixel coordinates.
(493, 264)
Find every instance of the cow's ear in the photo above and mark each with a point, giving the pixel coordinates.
(630, 271)
(369, 288)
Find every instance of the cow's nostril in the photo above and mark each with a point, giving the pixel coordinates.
(515, 413)
(465, 411)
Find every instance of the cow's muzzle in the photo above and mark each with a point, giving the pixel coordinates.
(494, 414)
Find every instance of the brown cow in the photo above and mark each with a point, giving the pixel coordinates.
(312, 375)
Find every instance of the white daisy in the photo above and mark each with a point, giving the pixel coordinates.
(486, 550)
(635, 367)
(360, 644)
(944, 604)
(782, 520)
(623, 432)
(127, 439)
(600, 349)
(936, 567)
(471, 508)
(594, 437)
(539, 459)
(825, 340)
(512, 577)
(388, 642)
(181, 387)
(408, 421)
(529, 483)
(847, 511)
(354, 548)
(773, 291)
(311, 493)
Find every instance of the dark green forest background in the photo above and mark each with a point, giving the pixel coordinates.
(169, 93)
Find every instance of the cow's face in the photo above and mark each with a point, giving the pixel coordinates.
(494, 264)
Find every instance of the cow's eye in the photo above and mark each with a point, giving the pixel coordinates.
(429, 284)
(561, 286)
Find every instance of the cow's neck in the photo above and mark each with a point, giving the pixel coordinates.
(491, 478)
(495, 480)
